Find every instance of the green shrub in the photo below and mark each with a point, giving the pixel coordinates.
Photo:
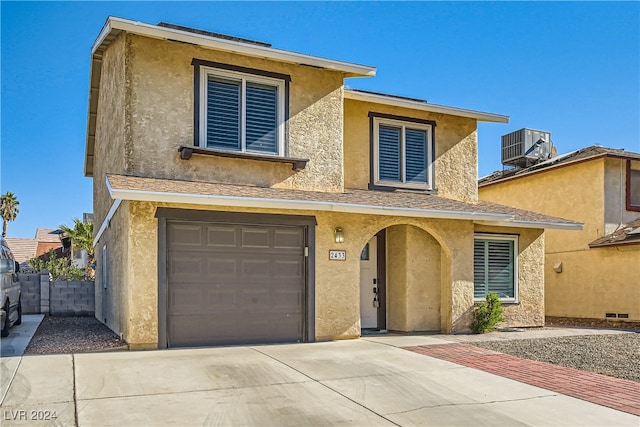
(58, 268)
(487, 314)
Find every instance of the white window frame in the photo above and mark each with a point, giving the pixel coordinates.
(516, 252)
(105, 269)
(205, 72)
(377, 121)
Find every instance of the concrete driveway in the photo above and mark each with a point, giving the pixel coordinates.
(20, 336)
(366, 382)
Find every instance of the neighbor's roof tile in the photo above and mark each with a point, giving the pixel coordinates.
(22, 249)
(48, 235)
(592, 152)
(628, 234)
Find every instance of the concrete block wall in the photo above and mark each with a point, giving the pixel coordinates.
(68, 298)
(30, 285)
(56, 298)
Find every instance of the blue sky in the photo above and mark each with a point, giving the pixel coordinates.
(571, 68)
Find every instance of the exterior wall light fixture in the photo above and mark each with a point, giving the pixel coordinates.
(339, 234)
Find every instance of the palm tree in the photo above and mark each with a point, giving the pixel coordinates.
(81, 236)
(8, 210)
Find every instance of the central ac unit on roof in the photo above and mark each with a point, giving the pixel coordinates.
(525, 147)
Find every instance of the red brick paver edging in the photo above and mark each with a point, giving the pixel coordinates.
(615, 393)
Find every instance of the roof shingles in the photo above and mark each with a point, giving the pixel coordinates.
(398, 200)
(22, 249)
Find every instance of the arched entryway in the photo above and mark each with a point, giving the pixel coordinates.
(401, 281)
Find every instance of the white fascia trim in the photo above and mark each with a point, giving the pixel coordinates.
(154, 31)
(114, 207)
(256, 202)
(112, 210)
(424, 106)
(533, 224)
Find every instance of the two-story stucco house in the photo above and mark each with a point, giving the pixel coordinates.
(593, 274)
(243, 195)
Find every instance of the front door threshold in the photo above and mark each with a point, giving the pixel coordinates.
(372, 331)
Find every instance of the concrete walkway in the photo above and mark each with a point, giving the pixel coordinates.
(615, 393)
(367, 382)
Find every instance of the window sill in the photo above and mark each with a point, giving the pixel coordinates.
(384, 187)
(187, 151)
(477, 302)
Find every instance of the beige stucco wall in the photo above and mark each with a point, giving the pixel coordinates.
(593, 281)
(456, 150)
(437, 258)
(414, 280)
(112, 138)
(162, 110)
(142, 294)
(574, 192)
(111, 125)
(112, 300)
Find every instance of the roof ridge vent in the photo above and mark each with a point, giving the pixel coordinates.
(212, 34)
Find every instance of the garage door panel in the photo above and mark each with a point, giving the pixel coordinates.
(185, 266)
(252, 268)
(288, 269)
(287, 302)
(193, 299)
(244, 284)
(186, 235)
(222, 236)
(185, 299)
(186, 330)
(256, 238)
(288, 238)
(221, 268)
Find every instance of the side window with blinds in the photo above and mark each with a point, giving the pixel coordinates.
(633, 190)
(223, 113)
(262, 118)
(495, 267)
(241, 112)
(389, 153)
(403, 154)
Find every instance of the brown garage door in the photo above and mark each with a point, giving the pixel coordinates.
(233, 283)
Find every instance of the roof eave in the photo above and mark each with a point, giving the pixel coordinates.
(424, 106)
(259, 202)
(620, 243)
(571, 226)
(154, 31)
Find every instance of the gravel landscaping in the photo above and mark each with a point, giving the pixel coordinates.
(59, 335)
(614, 355)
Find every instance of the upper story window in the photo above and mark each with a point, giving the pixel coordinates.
(633, 188)
(495, 266)
(402, 152)
(241, 109)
